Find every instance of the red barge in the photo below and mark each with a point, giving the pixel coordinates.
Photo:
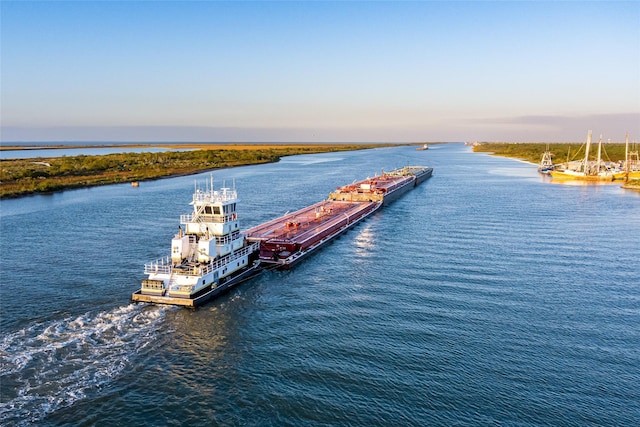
(286, 240)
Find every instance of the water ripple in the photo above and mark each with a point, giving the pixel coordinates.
(51, 365)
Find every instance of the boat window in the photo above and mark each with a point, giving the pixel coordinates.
(216, 210)
(207, 210)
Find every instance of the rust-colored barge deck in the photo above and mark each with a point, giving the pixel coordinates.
(380, 188)
(284, 240)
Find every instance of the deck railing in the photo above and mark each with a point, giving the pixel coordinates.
(165, 266)
(162, 265)
(185, 218)
(217, 196)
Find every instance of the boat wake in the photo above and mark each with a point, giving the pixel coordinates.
(310, 159)
(51, 365)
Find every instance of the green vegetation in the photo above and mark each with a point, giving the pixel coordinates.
(532, 152)
(19, 177)
(632, 184)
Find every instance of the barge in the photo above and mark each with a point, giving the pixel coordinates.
(387, 187)
(208, 257)
(286, 240)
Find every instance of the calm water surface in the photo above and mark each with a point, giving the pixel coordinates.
(488, 295)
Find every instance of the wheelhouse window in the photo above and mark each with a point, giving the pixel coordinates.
(211, 210)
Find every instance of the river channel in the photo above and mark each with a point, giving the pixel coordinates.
(487, 295)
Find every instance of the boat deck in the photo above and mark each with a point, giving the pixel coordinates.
(302, 227)
(372, 189)
(286, 240)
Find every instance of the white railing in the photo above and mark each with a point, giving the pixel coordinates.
(165, 266)
(185, 218)
(215, 196)
(219, 263)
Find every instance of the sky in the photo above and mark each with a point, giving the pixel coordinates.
(318, 71)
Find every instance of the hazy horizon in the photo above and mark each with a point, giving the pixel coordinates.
(185, 71)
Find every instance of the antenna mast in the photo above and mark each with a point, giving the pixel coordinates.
(586, 152)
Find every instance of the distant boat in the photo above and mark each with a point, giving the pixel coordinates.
(586, 170)
(135, 184)
(423, 147)
(546, 164)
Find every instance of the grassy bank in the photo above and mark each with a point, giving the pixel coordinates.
(21, 177)
(532, 152)
(633, 184)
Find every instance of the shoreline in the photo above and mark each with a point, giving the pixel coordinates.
(199, 146)
(24, 177)
(633, 184)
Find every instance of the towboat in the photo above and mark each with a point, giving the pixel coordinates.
(208, 256)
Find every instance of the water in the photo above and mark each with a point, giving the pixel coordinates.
(487, 295)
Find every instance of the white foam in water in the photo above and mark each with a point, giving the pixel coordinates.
(309, 159)
(54, 364)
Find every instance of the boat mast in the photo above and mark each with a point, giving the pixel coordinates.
(599, 154)
(626, 153)
(586, 152)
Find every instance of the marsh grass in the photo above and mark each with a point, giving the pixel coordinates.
(19, 177)
(532, 152)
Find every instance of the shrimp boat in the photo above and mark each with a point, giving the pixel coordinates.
(546, 164)
(632, 161)
(208, 257)
(586, 170)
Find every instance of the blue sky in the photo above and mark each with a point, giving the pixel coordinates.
(319, 71)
